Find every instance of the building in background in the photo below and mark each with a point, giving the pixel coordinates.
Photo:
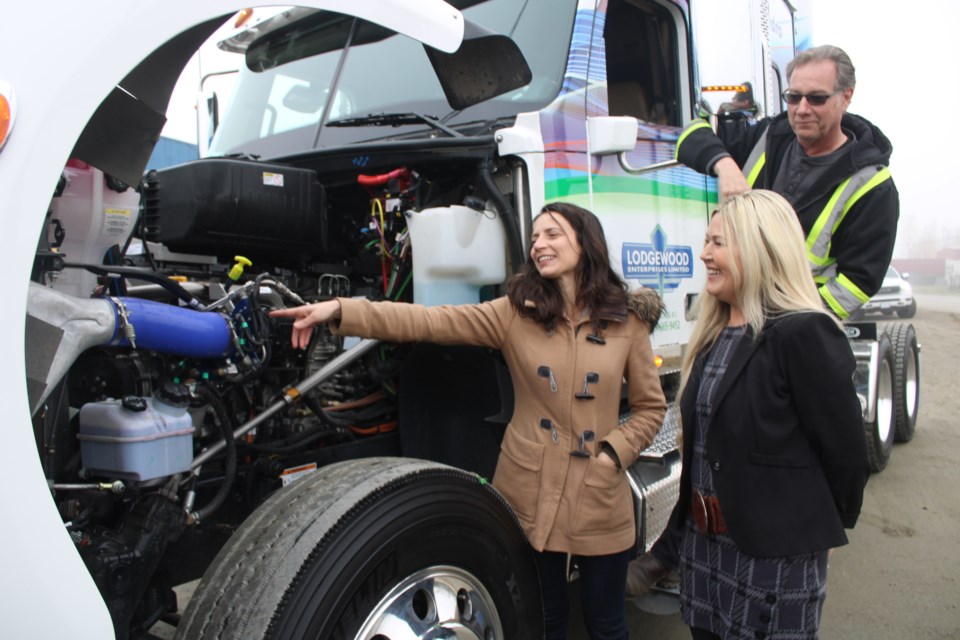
(169, 152)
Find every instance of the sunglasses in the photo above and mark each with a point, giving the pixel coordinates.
(793, 98)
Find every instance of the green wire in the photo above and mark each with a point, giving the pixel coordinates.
(403, 286)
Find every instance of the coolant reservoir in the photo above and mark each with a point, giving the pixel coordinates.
(94, 218)
(136, 438)
(456, 250)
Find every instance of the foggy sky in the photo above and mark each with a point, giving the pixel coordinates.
(906, 85)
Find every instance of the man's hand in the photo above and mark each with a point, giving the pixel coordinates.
(643, 573)
(307, 317)
(730, 180)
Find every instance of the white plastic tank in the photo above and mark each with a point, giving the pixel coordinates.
(94, 218)
(456, 250)
(136, 438)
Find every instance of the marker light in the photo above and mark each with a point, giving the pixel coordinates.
(8, 112)
(738, 88)
(242, 17)
(658, 360)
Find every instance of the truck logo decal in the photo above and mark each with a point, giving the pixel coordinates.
(657, 264)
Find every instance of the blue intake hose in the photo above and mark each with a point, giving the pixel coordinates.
(171, 329)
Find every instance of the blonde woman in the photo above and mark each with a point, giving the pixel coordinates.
(774, 454)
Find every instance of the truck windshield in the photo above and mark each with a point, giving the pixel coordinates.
(278, 111)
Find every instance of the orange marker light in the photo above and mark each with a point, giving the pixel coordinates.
(658, 360)
(242, 16)
(7, 112)
(739, 88)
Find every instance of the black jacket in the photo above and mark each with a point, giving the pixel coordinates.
(863, 243)
(786, 443)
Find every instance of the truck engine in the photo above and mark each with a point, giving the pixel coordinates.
(167, 403)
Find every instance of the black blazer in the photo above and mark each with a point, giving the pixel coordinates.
(786, 442)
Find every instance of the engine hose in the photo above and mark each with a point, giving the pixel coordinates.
(143, 274)
(507, 214)
(210, 395)
(361, 402)
(264, 361)
(293, 446)
(258, 331)
(314, 405)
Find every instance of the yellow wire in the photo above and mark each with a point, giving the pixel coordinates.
(377, 207)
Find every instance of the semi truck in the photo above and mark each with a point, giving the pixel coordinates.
(388, 149)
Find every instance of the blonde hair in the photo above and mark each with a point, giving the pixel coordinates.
(775, 277)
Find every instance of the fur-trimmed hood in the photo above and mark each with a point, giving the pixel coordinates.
(647, 305)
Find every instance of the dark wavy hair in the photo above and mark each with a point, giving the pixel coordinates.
(599, 288)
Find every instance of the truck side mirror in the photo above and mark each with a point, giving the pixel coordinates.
(611, 134)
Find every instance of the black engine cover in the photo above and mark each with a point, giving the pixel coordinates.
(225, 207)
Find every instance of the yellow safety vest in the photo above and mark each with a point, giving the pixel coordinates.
(839, 292)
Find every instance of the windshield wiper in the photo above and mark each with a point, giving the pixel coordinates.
(394, 120)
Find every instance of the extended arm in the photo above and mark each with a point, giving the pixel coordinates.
(702, 150)
(477, 324)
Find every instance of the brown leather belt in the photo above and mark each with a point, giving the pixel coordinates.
(706, 513)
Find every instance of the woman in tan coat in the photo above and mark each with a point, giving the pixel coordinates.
(571, 335)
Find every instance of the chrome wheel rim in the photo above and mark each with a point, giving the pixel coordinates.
(911, 384)
(441, 602)
(884, 402)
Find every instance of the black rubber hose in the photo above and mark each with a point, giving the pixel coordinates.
(210, 395)
(507, 213)
(295, 445)
(141, 274)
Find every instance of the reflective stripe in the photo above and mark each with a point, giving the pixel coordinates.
(693, 126)
(848, 285)
(843, 296)
(844, 197)
(882, 175)
(756, 160)
(838, 309)
(839, 292)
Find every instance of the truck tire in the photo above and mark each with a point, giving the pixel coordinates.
(906, 379)
(879, 431)
(378, 548)
(908, 312)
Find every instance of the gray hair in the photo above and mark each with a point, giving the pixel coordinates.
(846, 74)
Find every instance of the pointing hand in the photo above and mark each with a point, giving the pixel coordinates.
(306, 317)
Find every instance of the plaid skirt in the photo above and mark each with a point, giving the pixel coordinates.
(728, 593)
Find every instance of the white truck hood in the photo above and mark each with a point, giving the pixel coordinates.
(61, 62)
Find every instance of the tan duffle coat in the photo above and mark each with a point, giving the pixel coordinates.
(565, 502)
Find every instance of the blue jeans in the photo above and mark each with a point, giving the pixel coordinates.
(603, 582)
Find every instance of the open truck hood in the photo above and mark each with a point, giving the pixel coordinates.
(471, 65)
(59, 76)
(122, 133)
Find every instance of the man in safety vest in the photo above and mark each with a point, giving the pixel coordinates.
(829, 164)
(832, 167)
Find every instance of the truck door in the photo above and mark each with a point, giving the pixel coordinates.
(639, 67)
